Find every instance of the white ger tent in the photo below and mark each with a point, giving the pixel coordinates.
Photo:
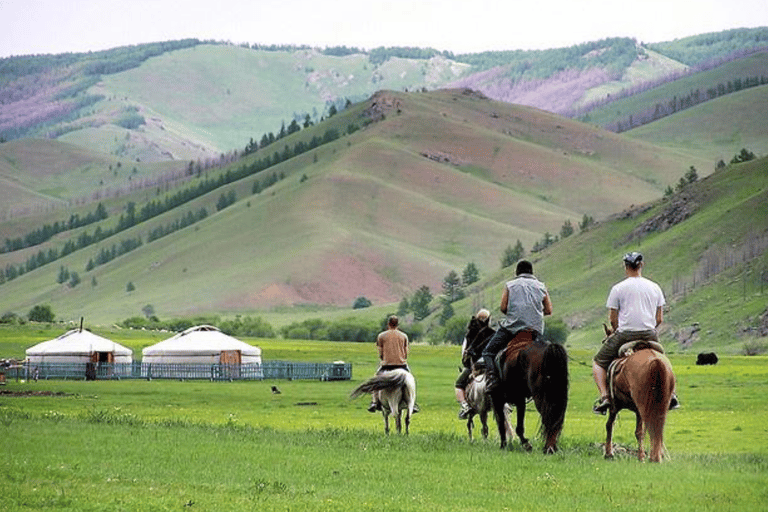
(201, 352)
(79, 346)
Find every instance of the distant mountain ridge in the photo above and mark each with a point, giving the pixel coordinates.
(224, 95)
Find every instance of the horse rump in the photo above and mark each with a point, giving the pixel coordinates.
(383, 382)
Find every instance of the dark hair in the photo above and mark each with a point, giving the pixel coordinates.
(524, 267)
(393, 321)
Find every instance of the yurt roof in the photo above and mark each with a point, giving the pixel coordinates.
(200, 340)
(78, 342)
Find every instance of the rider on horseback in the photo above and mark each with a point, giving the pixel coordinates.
(635, 306)
(478, 334)
(524, 301)
(393, 350)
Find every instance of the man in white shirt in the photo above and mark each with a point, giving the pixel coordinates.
(635, 306)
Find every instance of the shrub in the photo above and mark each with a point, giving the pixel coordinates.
(555, 330)
(361, 302)
(41, 314)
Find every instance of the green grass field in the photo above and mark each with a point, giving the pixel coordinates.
(198, 445)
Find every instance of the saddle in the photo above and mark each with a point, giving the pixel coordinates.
(518, 343)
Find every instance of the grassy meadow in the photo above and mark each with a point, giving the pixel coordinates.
(198, 445)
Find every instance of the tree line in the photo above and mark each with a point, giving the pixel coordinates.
(681, 102)
(48, 231)
(132, 217)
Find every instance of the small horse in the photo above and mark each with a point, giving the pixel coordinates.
(397, 393)
(481, 405)
(540, 371)
(643, 382)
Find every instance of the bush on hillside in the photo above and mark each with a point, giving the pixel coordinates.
(130, 121)
(40, 313)
(555, 330)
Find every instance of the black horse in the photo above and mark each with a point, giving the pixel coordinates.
(540, 371)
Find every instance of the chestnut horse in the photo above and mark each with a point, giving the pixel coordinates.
(540, 371)
(641, 381)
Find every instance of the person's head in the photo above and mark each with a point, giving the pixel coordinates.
(633, 261)
(483, 316)
(392, 322)
(524, 267)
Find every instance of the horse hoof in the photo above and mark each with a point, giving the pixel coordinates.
(527, 446)
(608, 456)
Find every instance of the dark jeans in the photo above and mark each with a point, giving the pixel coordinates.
(390, 367)
(494, 345)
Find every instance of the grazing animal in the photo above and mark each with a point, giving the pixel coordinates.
(539, 371)
(275, 390)
(481, 405)
(641, 381)
(706, 358)
(397, 390)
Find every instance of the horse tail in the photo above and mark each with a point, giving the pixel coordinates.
(554, 388)
(658, 392)
(383, 382)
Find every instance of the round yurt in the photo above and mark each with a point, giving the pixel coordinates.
(201, 352)
(78, 353)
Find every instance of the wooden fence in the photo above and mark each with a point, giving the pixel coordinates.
(266, 370)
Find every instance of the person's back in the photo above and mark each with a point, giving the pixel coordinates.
(393, 348)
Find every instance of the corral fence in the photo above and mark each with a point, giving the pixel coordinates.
(213, 372)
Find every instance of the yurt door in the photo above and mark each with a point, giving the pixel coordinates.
(231, 357)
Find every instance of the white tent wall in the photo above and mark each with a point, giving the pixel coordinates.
(79, 346)
(186, 354)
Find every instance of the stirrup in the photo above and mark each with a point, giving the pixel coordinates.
(601, 405)
(375, 406)
(464, 411)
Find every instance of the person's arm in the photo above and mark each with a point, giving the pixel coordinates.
(614, 318)
(659, 316)
(504, 301)
(547, 305)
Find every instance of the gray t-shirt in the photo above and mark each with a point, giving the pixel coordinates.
(525, 307)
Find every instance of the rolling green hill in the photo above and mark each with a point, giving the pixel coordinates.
(706, 246)
(193, 100)
(431, 182)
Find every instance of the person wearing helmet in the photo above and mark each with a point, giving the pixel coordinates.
(635, 311)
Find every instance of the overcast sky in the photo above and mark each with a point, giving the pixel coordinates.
(460, 26)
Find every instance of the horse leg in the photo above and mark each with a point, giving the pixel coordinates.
(470, 425)
(609, 433)
(498, 413)
(639, 435)
(398, 421)
(386, 420)
(520, 427)
(407, 421)
(484, 424)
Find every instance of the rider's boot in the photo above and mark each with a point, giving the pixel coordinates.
(464, 410)
(674, 403)
(602, 405)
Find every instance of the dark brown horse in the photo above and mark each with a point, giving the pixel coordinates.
(643, 382)
(539, 371)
